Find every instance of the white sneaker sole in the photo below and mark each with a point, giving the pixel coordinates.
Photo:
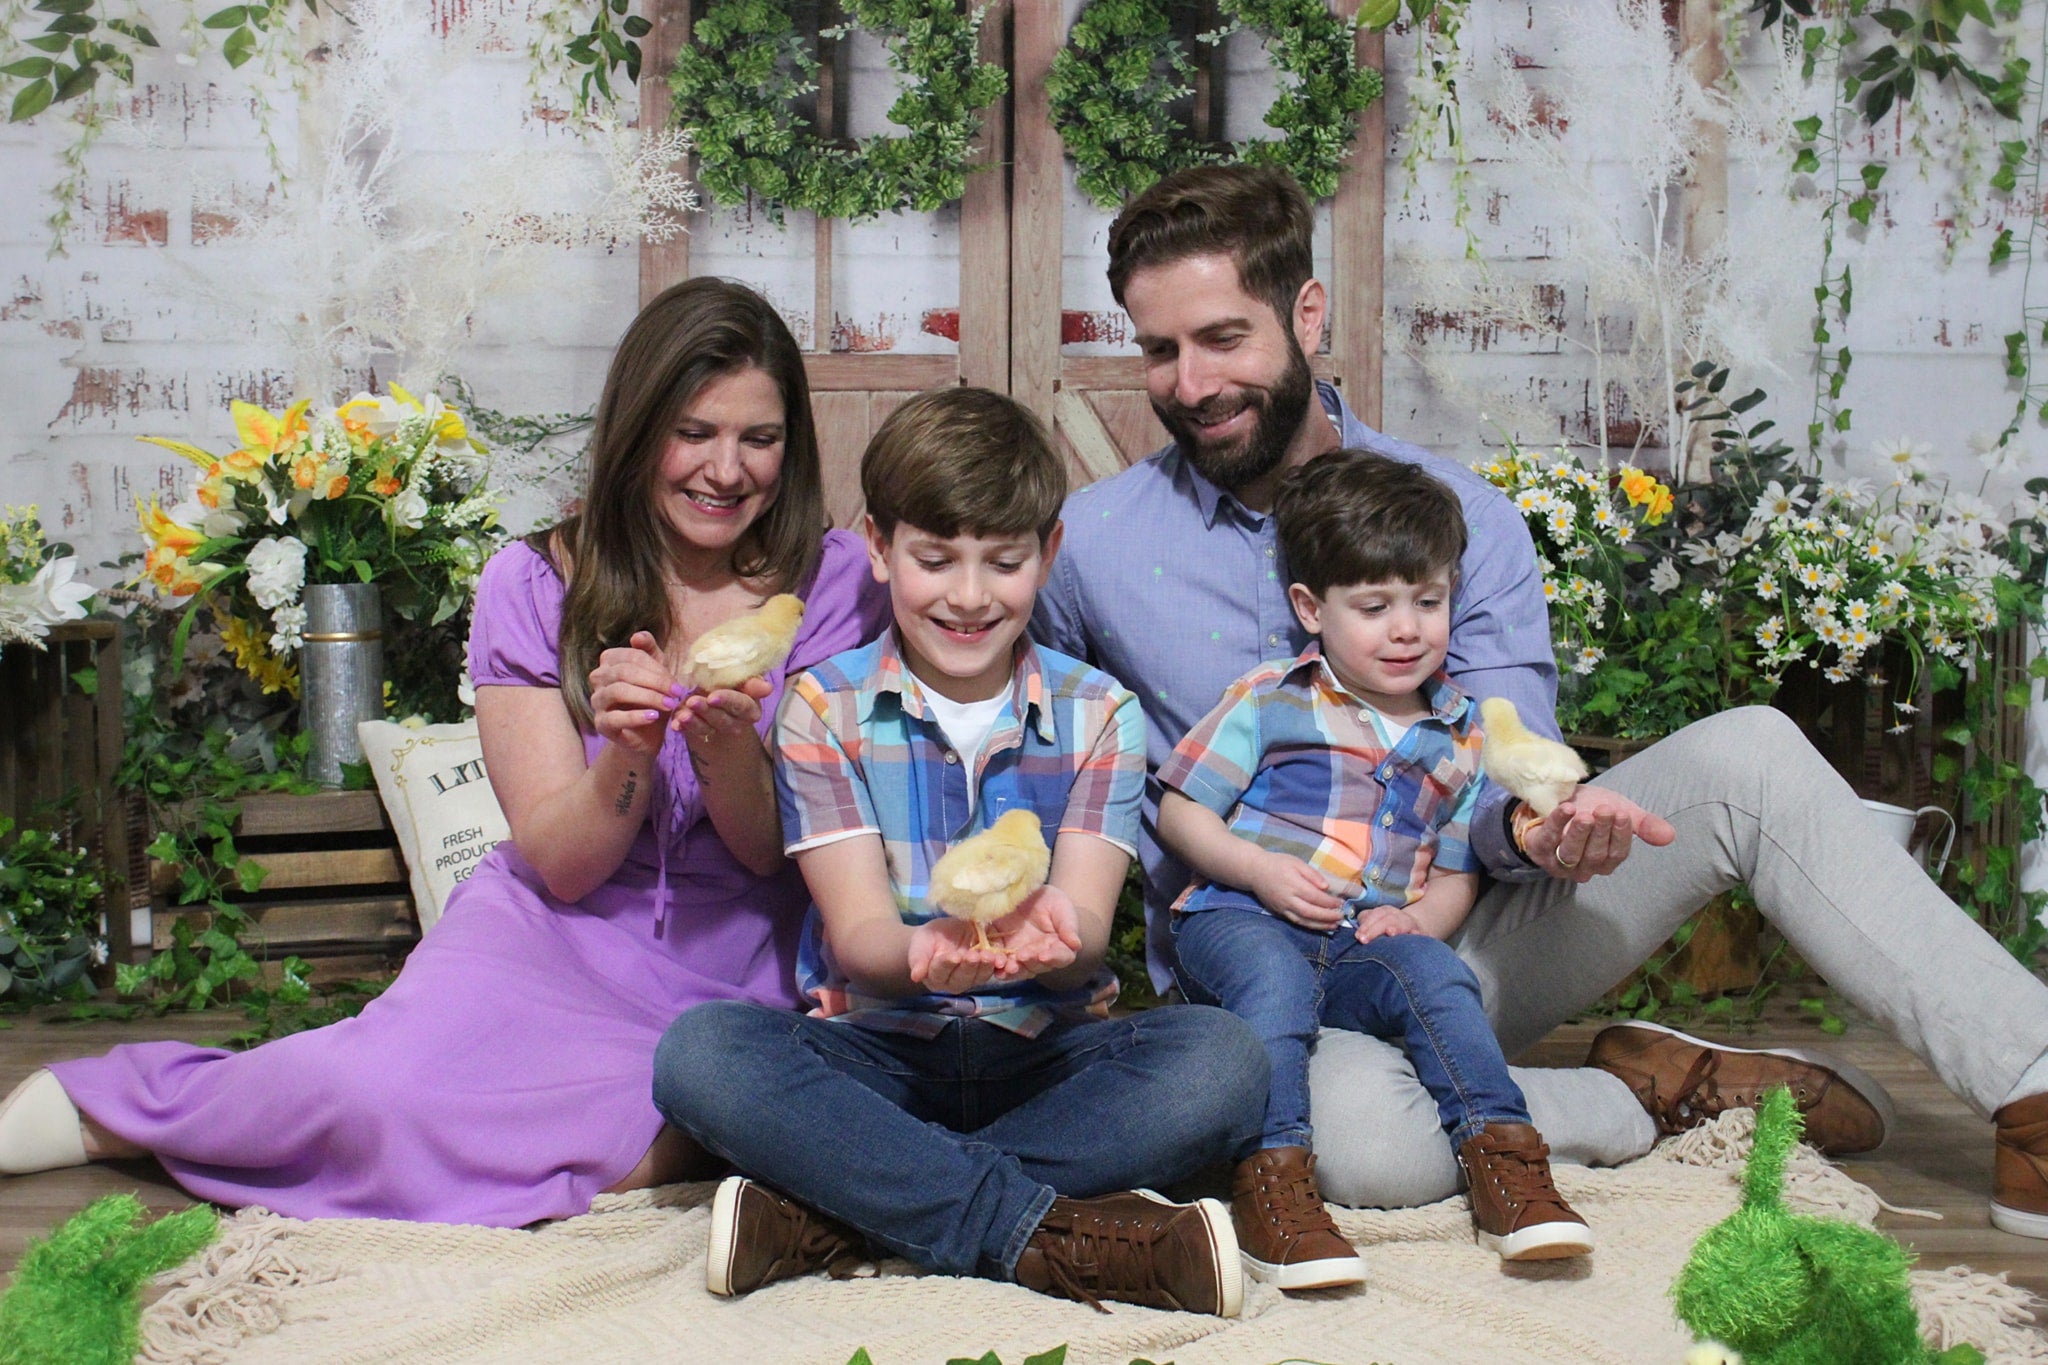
(1862, 1082)
(40, 1127)
(2018, 1222)
(1330, 1273)
(1543, 1242)
(1222, 1246)
(725, 1219)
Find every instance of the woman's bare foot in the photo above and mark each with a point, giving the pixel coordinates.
(101, 1145)
(675, 1156)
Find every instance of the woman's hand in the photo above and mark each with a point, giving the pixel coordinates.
(713, 722)
(632, 695)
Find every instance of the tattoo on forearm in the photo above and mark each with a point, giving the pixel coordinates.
(625, 801)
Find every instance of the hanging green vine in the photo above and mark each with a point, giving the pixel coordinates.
(1114, 85)
(738, 82)
(1882, 57)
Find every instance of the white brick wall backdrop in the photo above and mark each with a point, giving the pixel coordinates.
(185, 272)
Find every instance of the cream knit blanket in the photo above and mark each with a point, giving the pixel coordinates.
(625, 1283)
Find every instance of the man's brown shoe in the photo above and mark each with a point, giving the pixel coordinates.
(1285, 1229)
(2019, 1170)
(759, 1237)
(1136, 1247)
(1516, 1208)
(1685, 1081)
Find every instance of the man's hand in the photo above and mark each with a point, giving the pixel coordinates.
(1294, 891)
(1382, 921)
(1591, 834)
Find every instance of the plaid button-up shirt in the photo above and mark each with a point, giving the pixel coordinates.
(1296, 764)
(859, 752)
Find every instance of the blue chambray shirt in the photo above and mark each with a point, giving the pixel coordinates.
(1176, 588)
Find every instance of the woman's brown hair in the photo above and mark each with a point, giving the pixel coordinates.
(614, 552)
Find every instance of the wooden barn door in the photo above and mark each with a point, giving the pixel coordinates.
(852, 393)
(1098, 403)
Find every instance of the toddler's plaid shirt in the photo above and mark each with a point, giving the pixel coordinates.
(1296, 764)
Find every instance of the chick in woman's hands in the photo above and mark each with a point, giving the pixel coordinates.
(745, 647)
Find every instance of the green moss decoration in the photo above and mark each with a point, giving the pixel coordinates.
(77, 1295)
(736, 85)
(1114, 84)
(1790, 1289)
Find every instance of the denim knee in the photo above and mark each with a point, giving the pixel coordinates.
(1230, 1072)
(695, 1060)
(1421, 961)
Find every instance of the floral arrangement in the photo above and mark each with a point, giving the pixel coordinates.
(36, 589)
(1584, 523)
(387, 489)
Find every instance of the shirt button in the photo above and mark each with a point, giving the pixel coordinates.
(1386, 774)
(952, 757)
(1387, 819)
(1269, 552)
(1272, 639)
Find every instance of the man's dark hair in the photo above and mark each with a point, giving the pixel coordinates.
(1350, 516)
(1256, 215)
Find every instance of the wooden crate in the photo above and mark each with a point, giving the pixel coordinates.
(335, 893)
(58, 740)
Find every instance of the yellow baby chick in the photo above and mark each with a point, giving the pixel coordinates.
(746, 646)
(1540, 771)
(987, 876)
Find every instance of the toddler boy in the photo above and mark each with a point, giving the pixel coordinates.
(971, 1109)
(1323, 805)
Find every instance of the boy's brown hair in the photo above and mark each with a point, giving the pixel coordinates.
(963, 461)
(1256, 215)
(1350, 516)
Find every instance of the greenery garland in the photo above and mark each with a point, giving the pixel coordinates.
(737, 82)
(1114, 84)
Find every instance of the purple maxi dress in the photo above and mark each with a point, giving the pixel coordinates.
(506, 1075)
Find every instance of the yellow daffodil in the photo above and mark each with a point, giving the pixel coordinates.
(165, 533)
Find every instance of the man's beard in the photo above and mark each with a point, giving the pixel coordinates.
(1276, 417)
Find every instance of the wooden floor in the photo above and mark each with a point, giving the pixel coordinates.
(1939, 1157)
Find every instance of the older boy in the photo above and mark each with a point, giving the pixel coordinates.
(1325, 807)
(973, 1110)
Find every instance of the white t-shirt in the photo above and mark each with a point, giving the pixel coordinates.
(966, 725)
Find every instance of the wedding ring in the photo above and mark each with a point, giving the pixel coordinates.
(1568, 865)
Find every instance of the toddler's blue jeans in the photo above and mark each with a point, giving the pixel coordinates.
(949, 1150)
(1410, 989)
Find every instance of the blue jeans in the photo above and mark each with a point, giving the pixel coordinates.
(1410, 989)
(948, 1151)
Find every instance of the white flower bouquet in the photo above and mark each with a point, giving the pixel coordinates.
(37, 589)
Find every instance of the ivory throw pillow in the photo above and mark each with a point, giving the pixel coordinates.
(434, 790)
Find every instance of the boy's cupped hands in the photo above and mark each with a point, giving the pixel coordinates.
(1042, 934)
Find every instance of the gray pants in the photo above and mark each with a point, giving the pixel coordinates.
(1752, 802)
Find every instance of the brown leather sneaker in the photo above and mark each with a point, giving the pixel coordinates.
(2019, 1171)
(1515, 1206)
(1136, 1247)
(1685, 1081)
(759, 1237)
(1283, 1226)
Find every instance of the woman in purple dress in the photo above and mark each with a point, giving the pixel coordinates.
(506, 1075)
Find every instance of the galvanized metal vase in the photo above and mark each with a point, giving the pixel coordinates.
(341, 673)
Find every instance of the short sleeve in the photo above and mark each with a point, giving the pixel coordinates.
(845, 606)
(1107, 790)
(516, 623)
(1215, 762)
(818, 787)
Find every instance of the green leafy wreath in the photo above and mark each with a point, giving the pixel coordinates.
(737, 81)
(1114, 84)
